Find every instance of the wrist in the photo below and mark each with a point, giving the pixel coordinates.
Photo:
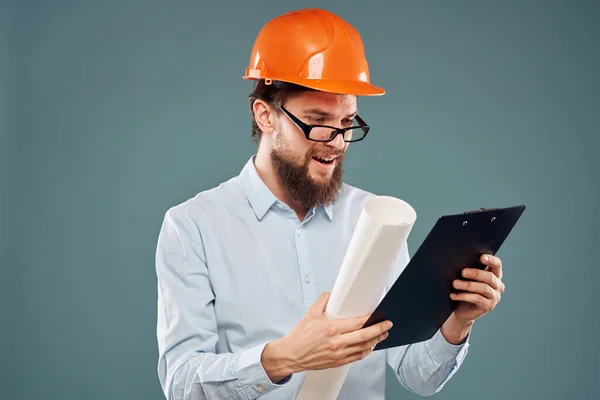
(276, 361)
(455, 331)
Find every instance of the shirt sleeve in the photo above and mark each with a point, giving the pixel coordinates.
(188, 365)
(425, 367)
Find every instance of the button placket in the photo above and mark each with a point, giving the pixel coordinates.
(304, 266)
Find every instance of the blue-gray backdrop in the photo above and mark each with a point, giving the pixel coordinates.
(113, 111)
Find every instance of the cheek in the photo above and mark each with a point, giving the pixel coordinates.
(295, 143)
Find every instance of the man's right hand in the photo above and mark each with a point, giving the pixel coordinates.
(317, 343)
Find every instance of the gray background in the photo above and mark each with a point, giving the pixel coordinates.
(112, 111)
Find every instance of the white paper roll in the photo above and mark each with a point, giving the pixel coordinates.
(375, 247)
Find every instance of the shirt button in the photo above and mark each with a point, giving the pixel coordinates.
(306, 278)
(298, 231)
(260, 389)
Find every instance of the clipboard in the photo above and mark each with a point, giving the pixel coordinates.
(418, 303)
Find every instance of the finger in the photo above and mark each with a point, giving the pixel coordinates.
(501, 285)
(365, 334)
(484, 276)
(319, 306)
(357, 356)
(473, 298)
(369, 344)
(477, 287)
(494, 264)
(345, 325)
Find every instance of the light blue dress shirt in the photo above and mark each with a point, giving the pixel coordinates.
(236, 269)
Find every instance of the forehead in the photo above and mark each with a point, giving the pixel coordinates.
(334, 103)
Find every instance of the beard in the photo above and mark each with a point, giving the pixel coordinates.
(295, 177)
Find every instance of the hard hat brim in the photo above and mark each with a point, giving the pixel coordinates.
(356, 88)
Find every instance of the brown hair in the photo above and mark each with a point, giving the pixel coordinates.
(275, 94)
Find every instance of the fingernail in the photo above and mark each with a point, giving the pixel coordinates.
(486, 259)
(390, 325)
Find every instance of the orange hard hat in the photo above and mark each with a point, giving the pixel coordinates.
(313, 48)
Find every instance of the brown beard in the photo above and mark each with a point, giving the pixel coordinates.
(300, 185)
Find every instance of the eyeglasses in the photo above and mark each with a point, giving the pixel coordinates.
(326, 133)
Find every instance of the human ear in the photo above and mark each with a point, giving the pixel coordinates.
(264, 116)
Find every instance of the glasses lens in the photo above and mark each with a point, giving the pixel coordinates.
(321, 133)
(324, 134)
(353, 134)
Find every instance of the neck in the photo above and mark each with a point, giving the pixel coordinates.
(266, 172)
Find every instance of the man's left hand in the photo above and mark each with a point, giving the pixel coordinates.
(481, 292)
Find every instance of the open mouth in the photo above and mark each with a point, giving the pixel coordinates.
(324, 160)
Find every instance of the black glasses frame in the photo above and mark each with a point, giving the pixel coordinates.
(306, 128)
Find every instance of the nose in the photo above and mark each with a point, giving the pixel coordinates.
(337, 143)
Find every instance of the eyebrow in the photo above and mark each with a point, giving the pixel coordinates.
(323, 113)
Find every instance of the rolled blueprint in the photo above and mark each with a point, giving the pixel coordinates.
(375, 247)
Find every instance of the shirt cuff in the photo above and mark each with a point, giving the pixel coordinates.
(251, 373)
(443, 351)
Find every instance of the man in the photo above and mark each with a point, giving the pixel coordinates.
(244, 269)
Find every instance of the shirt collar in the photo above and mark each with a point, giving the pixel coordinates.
(259, 195)
(328, 210)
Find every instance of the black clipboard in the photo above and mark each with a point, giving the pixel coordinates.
(418, 303)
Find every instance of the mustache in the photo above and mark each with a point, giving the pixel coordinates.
(314, 152)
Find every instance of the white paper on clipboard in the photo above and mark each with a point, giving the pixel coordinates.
(375, 247)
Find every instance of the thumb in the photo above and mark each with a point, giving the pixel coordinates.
(319, 306)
